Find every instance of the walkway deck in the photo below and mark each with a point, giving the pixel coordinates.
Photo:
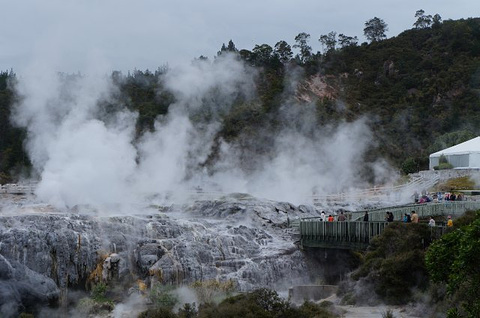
(357, 234)
(454, 208)
(346, 235)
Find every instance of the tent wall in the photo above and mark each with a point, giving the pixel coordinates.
(475, 160)
(457, 161)
(434, 161)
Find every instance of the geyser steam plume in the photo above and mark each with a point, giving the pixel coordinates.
(84, 156)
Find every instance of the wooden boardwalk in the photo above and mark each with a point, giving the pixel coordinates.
(356, 234)
(454, 208)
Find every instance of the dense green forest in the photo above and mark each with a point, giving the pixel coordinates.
(420, 91)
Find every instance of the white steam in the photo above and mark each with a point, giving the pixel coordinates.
(84, 158)
(322, 164)
(81, 159)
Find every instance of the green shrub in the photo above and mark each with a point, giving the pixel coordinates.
(398, 274)
(410, 165)
(453, 260)
(388, 314)
(88, 306)
(262, 303)
(188, 311)
(443, 166)
(460, 183)
(394, 263)
(310, 309)
(158, 313)
(98, 293)
(442, 159)
(161, 296)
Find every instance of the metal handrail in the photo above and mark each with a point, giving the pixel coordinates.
(423, 210)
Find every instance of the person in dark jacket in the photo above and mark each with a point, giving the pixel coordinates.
(365, 217)
(390, 217)
(407, 218)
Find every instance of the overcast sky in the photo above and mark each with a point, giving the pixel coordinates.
(79, 35)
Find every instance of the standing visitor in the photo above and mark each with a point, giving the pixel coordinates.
(365, 217)
(322, 216)
(450, 221)
(431, 222)
(390, 217)
(341, 217)
(330, 218)
(414, 217)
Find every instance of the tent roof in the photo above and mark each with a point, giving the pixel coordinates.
(467, 147)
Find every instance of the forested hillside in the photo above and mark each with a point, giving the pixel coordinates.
(419, 90)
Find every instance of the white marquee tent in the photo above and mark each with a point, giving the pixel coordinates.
(465, 155)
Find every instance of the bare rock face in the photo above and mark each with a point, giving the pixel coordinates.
(236, 238)
(23, 289)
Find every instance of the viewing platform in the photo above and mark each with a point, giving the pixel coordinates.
(357, 234)
(424, 210)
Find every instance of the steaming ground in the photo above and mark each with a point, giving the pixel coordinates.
(84, 156)
(235, 238)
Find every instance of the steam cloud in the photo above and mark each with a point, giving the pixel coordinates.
(83, 157)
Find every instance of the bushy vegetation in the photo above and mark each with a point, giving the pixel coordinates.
(460, 183)
(98, 303)
(264, 303)
(454, 260)
(403, 260)
(12, 156)
(443, 164)
(394, 263)
(161, 297)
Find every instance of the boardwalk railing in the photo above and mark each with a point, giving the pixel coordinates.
(391, 193)
(345, 235)
(351, 235)
(454, 208)
(13, 188)
(356, 234)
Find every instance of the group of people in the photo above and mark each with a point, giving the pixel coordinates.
(341, 217)
(431, 222)
(407, 218)
(436, 197)
(413, 218)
